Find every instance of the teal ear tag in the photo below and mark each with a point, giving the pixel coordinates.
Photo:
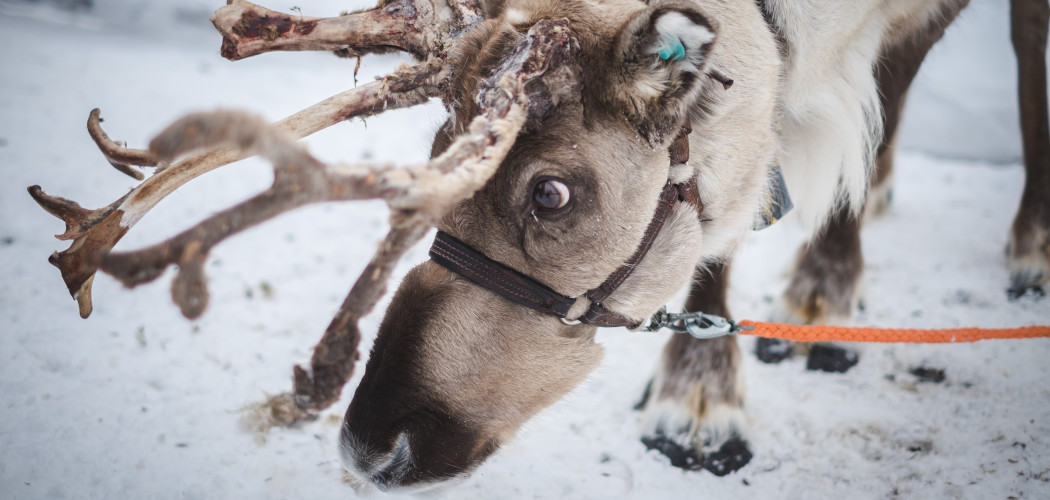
(675, 52)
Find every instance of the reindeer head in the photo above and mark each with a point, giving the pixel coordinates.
(553, 164)
(457, 369)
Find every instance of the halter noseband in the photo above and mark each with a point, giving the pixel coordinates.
(512, 285)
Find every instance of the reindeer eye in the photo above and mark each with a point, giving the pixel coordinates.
(550, 194)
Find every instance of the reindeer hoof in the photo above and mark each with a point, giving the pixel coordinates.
(1017, 291)
(731, 457)
(681, 456)
(1028, 252)
(830, 358)
(772, 350)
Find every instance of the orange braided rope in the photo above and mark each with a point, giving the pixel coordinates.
(824, 333)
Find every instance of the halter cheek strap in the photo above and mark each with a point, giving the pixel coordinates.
(519, 288)
(510, 284)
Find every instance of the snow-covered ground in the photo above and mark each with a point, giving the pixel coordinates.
(137, 402)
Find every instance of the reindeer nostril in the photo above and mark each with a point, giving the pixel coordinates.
(382, 481)
(385, 469)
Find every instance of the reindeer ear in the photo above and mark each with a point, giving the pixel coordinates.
(660, 56)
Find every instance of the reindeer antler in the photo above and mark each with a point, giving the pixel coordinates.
(418, 196)
(95, 232)
(420, 27)
(435, 25)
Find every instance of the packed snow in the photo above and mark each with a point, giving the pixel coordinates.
(138, 402)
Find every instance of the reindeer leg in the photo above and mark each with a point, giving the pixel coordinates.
(1029, 248)
(693, 409)
(898, 65)
(825, 286)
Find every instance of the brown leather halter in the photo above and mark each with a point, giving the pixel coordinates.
(460, 258)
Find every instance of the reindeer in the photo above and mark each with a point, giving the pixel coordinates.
(598, 157)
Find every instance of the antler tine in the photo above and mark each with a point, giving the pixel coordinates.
(95, 232)
(420, 27)
(122, 158)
